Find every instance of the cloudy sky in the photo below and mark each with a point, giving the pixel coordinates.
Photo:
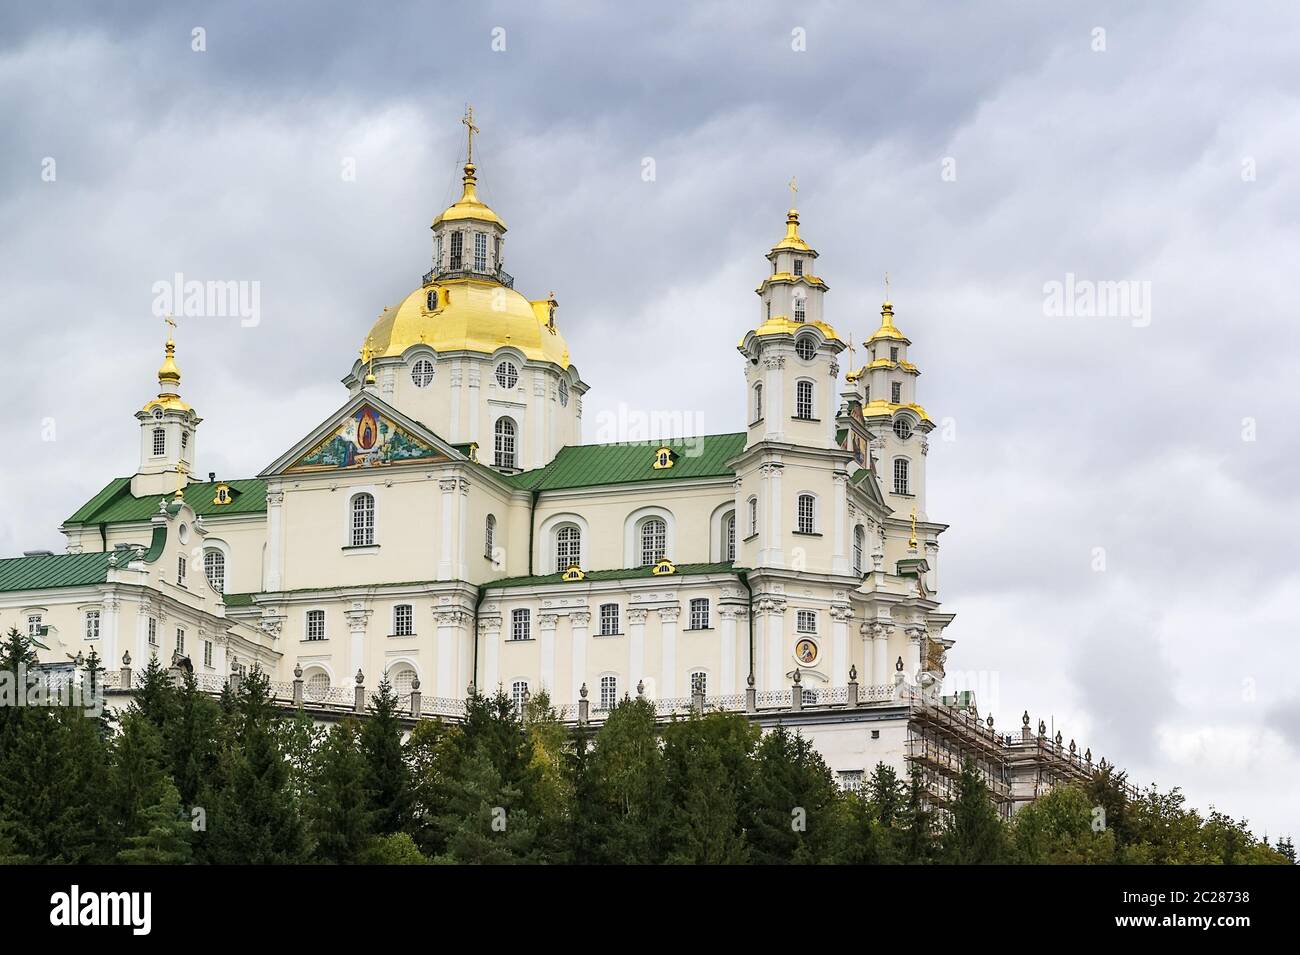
(1123, 488)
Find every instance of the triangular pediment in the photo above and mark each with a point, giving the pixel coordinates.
(365, 433)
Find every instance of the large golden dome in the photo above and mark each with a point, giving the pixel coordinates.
(469, 315)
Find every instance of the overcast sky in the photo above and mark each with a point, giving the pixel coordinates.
(975, 155)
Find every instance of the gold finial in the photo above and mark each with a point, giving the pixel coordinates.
(887, 287)
(368, 359)
(470, 130)
(180, 480)
(852, 374)
(912, 540)
(169, 374)
(794, 188)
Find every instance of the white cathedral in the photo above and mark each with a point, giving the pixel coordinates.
(447, 529)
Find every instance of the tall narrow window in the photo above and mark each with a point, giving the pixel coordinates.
(315, 624)
(807, 514)
(654, 538)
(699, 683)
(608, 692)
(437, 254)
(568, 547)
(521, 625)
(456, 240)
(159, 442)
(363, 520)
(758, 402)
(490, 537)
(859, 546)
(504, 438)
(729, 537)
(34, 624)
(608, 620)
(800, 312)
(180, 640)
(700, 613)
(803, 400)
(182, 565)
(403, 620)
(902, 476)
(214, 568)
(519, 693)
(896, 392)
(207, 653)
(92, 624)
(753, 516)
(480, 252)
(152, 630)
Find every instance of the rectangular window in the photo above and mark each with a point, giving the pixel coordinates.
(803, 400)
(798, 266)
(893, 354)
(608, 692)
(806, 517)
(480, 252)
(181, 566)
(896, 393)
(608, 620)
(153, 632)
(901, 476)
(207, 653)
(699, 683)
(521, 625)
(437, 254)
(700, 613)
(799, 313)
(92, 624)
(403, 620)
(363, 520)
(753, 516)
(180, 639)
(34, 625)
(456, 240)
(806, 621)
(315, 624)
(519, 693)
(159, 442)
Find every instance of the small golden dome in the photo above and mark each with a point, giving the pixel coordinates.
(887, 328)
(169, 381)
(469, 314)
(169, 372)
(469, 206)
(781, 325)
(792, 240)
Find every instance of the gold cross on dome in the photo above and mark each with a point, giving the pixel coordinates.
(470, 130)
(181, 471)
(171, 324)
(886, 286)
(794, 187)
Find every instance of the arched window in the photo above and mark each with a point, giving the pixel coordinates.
(608, 692)
(519, 693)
(490, 536)
(806, 516)
(758, 402)
(214, 567)
(402, 680)
(699, 683)
(654, 539)
(568, 547)
(902, 476)
(363, 520)
(504, 436)
(564, 393)
(803, 399)
(859, 548)
(800, 310)
(729, 538)
(753, 516)
(159, 442)
(317, 685)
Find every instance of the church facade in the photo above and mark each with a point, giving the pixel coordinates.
(446, 528)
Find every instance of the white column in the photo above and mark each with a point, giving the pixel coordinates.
(775, 545)
(142, 636)
(357, 616)
(759, 642)
(475, 399)
(536, 420)
(840, 616)
(489, 629)
(546, 643)
(448, 487)
(832, 403)
(881, 673)
(274, 540)
(912, 655)
(727, 684)
(668, 644)
(108, 632)
(635, 649)
(462, 538)
(464, 652)
(579, 620)
(445, 622)
(774, 610)
(774, 413)
(454, 384)
(552, 425)
(840, 559)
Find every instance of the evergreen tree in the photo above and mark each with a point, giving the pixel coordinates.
(1286, 849)
(584, 817)
(478, 824)
(381, 745)
(632, 812)
(190, 739)
(341, 819)
(433, 752)
(707, 764)
(976, 835)
(254, 819)
(792, 803)
(154, 695)
(396, 849)
(163, 836)
(918, 843)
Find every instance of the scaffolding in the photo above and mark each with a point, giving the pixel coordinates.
(941, 740)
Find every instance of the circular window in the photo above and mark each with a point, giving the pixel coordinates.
(422, 373)
(564, 393)
(507, 374)
(806, 348)
(903, 428)
(157, 414)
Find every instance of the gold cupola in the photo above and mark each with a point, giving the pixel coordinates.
(169, 378)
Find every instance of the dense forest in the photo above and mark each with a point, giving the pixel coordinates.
(182, 777)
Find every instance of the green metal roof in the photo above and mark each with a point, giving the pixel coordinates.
(590, 465)
(115, 505)
(54, 570)
(624, 573)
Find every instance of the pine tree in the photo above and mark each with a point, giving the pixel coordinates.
(341, 819)
(190, 734)
(389, 780)
(478, 825)
(707, 763)
(632, 812)
(976, 835)
(1286, 848)
(918, 844)
(164, 833)
(154, 694)
(792, 803)
(433, 753)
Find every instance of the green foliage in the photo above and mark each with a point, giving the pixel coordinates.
(976, 836)
(792, 803)
(1063, 828)
(381, 744)
(707, 762)
(339, 806)
(629, 818)
(396, 849)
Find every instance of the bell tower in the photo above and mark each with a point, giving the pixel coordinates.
(168, 428)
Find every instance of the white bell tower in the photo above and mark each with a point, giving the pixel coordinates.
(168, 428)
